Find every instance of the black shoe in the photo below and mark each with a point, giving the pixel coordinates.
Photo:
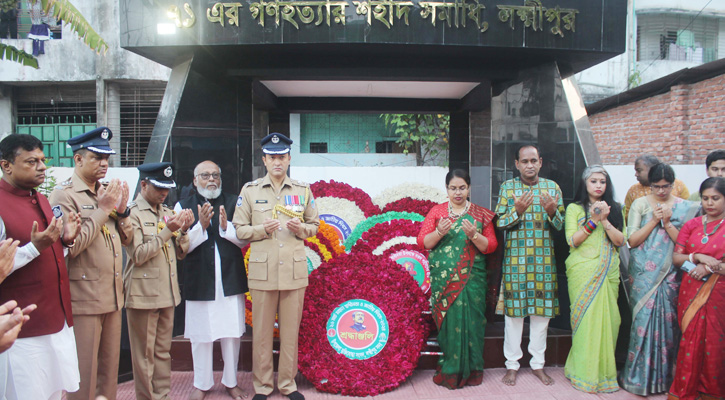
(259, 397)
(295, 396)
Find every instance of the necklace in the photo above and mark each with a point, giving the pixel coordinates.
(454, 215)
(704, 229)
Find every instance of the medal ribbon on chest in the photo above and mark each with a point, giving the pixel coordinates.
(294, 206)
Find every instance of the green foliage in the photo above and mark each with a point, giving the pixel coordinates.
(424, 134)
(65, 11)
(634, 80)
(49, 184)
(12, 53)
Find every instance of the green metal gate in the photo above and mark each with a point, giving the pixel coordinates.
(54, 137)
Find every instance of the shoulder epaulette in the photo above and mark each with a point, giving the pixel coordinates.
(131, 204)
(253, 183)
(65, 184)
(299, 183)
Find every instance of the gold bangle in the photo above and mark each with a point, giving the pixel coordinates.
(585, 231)
(474, 237)
(439, 232)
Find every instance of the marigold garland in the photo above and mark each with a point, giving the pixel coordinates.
(377, 280)
(344, 191)
(366, 225)
(330, 234)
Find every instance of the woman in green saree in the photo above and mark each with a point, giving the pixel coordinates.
(593, 226)
(458, 234)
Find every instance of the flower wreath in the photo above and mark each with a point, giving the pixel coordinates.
(342, 190)
(333, 209)
(377, 281)
(408, 204)
(366, 225)
(417, 191)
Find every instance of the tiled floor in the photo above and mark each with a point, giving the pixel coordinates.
(419, 386)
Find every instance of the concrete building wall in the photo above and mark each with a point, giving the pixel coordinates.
(680, 126)
(613, 76)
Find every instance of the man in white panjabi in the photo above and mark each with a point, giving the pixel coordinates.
(214, 282)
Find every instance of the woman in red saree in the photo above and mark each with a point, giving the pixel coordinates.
(458, 234)
(700, 366)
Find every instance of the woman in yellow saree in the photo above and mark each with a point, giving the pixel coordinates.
(593, 225)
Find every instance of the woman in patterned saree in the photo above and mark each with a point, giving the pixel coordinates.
(653, 224)
(458, 234)
(593, 226)
(700, 366)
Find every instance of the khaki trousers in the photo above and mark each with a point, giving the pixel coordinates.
(265, 304)
(150, 335)
(98, 341)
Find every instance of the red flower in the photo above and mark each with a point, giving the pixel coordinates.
(380, 281)
(344, 191)
(407, 204)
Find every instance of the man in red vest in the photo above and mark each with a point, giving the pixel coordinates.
(43, 360)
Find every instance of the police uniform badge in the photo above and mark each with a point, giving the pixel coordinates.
(104, 134)
(57, 212)
(168, 172)
(239, 201)
(275, 139)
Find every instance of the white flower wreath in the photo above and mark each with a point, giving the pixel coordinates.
(342, 208)
(417, 191)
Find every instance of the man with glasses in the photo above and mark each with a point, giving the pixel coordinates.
(528, 207)
(214, 282)
(642, 188)
(43, 361)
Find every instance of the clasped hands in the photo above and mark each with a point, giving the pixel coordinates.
(523, 202)
(55, 230)
(181, 221)
(603, 214)
(704, 262)
(445, 224)
(662, 212)
(271, 225)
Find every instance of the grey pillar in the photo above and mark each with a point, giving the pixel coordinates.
(113, 119)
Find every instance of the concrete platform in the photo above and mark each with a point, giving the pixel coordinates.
(418, 386)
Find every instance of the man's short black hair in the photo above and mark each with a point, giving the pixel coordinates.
(12, 144)
(714, 155)
(647, 159)
(518, 150)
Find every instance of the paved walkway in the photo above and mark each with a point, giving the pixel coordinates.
(419, 386)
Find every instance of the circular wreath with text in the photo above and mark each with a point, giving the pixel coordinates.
(362, 326)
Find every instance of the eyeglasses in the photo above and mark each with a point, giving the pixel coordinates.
(205, 176)
(457, 189)
(657, 188)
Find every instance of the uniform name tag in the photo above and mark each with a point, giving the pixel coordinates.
(149, 224)
(260, 201)
(87, 207)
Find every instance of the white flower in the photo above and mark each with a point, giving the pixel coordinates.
(416, 191)
(313, 258)
(393, 242)
(342, 208)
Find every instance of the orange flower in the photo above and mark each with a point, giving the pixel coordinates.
(331, 234)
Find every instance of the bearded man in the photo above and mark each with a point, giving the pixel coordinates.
(214, 282)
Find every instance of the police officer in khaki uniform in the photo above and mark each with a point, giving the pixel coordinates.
(158, 239)
(95, 261)
(276, 214)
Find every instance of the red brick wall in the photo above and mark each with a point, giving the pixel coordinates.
(680, 126)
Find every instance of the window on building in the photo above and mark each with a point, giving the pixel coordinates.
(140, 104)
(318, 147)
(678, 37)
(386, 146)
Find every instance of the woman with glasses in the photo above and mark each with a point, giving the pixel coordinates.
(458, 234)
(654, 222)
(701, 304)
(593, 226)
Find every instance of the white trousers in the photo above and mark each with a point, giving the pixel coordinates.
(202, 353)
(513, 330)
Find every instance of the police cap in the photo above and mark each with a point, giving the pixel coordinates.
(95, 141)
(158, 174)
